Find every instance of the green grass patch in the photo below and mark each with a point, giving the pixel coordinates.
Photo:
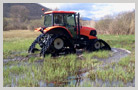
(16, 69)
(98, 54)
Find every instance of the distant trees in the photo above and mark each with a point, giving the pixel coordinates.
(19, 13)
(19, 17)
(123, 23)
(87, 23)
(5, 24)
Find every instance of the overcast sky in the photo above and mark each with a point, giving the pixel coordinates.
(93, 10)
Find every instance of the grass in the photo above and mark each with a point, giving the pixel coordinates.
(98, 54)
(14, 41)
(57, 70)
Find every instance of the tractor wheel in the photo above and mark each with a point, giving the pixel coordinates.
(58, 43)
(97, 45)
(61, 46)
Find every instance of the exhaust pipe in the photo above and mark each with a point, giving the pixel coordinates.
(78, 25)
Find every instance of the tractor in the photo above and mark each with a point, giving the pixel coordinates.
(63, 34)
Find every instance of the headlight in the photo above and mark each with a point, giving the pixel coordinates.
(93, 33)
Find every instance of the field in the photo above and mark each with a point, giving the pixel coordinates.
(21, 69)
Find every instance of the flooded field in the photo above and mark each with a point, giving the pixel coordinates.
(114, 68)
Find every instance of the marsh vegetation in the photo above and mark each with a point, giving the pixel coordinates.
(30, 70)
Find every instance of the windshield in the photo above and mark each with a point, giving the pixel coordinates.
(48, 20)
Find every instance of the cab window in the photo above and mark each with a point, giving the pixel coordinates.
(58, 20)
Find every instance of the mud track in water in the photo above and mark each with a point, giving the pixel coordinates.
(116, 56)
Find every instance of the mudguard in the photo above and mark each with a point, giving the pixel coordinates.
(53, 27)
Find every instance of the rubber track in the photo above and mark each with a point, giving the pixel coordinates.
(47, 44)
(30, 50)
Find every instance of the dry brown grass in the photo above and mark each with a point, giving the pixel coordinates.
(20, 34)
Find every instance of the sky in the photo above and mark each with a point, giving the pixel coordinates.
(93, 10)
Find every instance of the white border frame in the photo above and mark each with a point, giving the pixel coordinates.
(63, 1)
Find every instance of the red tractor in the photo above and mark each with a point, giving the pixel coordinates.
(63, 34)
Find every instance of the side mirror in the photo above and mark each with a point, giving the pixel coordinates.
(43, 9)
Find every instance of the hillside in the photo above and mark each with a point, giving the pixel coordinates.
(34, 9)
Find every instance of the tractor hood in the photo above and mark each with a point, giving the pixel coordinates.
(86, 32)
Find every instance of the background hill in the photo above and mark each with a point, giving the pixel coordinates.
(33, 8)
(23, 16)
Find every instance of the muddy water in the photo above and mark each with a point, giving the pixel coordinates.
(81, 78)
(117, 55)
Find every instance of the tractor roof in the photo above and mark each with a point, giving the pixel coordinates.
(50, 12)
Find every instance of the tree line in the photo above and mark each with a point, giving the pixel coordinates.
(123, 23)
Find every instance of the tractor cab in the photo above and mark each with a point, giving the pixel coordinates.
(61, 18)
